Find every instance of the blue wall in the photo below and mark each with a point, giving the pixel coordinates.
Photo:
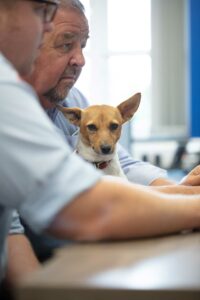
(194, 57)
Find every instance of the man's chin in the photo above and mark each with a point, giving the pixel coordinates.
(62, 94)
(55, 96)
(26, 71)
(30, 67)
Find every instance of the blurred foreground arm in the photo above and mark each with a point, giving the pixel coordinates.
(118, 210)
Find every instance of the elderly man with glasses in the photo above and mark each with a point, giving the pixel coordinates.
(22, 25)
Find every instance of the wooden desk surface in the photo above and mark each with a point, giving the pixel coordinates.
(161, 268)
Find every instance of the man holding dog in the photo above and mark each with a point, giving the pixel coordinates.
(56, 70)
(40, 176)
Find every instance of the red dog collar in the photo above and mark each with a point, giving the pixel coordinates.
(101, 164)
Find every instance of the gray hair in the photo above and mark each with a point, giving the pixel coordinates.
(73, 4)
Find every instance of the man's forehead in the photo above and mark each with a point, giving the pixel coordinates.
(69, 35)
(70, 23)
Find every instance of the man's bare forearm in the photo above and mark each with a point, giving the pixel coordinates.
(21, 258)
(189, 185)
(116, 210)
(178, 189)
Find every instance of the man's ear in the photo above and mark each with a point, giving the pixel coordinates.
(129, 107)
(72, 114)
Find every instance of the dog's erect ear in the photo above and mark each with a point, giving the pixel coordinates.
(129, 107)
(72, 114)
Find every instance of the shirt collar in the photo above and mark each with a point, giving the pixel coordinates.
(52, 112)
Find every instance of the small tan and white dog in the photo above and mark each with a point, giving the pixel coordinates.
(100, 129)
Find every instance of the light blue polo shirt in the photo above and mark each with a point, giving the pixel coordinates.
(39, 174)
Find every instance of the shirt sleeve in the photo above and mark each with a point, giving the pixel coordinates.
(39, 174)
(16, 226)
(138, 171)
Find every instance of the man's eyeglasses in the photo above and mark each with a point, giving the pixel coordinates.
(50, 9)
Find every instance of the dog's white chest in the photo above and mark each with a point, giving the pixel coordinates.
(112, 165)
(114, 168)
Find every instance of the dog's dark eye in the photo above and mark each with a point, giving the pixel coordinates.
(113, 126)
(92, 127)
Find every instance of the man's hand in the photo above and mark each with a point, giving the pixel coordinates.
(193, 178)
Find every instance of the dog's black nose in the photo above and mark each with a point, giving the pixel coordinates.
(105, 149)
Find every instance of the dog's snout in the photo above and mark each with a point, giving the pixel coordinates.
(105, 149)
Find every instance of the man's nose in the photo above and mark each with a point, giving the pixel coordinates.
(78, 58)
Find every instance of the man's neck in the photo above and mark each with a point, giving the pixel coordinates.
(45, 103)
